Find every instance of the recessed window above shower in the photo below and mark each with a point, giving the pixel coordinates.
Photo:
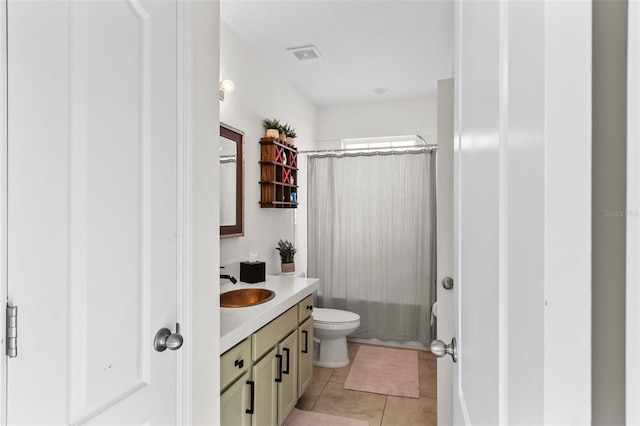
(387, 142)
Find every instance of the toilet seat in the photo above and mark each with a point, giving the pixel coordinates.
(333, 316)
(334, 319)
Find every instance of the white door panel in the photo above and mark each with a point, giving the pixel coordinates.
(92, 210)
(478, 214)
(521, 212)
(445, 245)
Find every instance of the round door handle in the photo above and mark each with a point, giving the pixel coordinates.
(447, 283)
(440, 349)
(166, 340)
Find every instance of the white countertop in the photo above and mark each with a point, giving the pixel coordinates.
(238, 323)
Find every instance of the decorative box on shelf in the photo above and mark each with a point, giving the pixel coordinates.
(278, 174)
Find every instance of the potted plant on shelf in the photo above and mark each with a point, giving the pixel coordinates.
(283, 133)
(290, 132)
(273, 127)
(287, 251)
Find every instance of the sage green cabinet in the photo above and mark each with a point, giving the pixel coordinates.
(305, 308)
(263, 376)
(265, 398)
(234, 403)
(234, 362)
(288, 384)
(273, 333)
(305, 356)
(234, 377)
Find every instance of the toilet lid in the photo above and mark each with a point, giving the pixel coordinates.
(333, 315)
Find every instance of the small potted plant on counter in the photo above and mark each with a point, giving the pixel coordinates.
(273, 127)
(287, 251)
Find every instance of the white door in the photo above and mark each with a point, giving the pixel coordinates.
(477, 222)
(522, 208)
(92, 210)
(445, 245)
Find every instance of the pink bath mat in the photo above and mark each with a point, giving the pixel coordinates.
(311, 418)
(388, 371)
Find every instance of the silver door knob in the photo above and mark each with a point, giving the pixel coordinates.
(165, 339)
(447, 283)
(440, 349)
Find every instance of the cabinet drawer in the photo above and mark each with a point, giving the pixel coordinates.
(271, 334)
(305, 307)
(234, 362)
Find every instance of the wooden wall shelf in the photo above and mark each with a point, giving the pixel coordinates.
(278, 174)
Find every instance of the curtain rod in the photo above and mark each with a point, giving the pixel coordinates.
(352, 152)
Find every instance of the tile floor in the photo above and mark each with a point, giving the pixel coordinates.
(326, 395)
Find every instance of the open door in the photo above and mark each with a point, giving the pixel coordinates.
(445, 245)
(522, 206)
(92, 204)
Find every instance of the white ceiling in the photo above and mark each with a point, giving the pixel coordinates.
(405, 46)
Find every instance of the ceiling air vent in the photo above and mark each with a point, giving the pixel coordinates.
(380, 91)
(305, 52)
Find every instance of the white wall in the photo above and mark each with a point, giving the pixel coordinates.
(262, 93)
(380, 118)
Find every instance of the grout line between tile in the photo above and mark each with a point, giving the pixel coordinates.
(383, 410)
(319, 395)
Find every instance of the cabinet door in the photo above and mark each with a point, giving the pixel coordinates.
(288, 387)
(305, 354)
(234, 403)
(264, 373)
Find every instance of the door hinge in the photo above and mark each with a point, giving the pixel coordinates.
(12, 331)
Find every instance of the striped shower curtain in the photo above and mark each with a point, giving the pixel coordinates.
(372, 240)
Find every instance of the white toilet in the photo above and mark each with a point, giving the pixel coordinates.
(330, 330)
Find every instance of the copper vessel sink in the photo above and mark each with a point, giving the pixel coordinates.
(245, 297)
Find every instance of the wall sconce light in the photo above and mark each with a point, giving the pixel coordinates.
(226, 86)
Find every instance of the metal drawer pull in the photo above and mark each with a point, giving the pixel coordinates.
(279, 378)
(286, 371)
(306, 341)
(253, 400)
(309, 307)
(239, 363)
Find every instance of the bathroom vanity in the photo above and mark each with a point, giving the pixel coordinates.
(267, 352)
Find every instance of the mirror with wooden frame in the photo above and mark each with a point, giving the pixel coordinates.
(231, 182)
